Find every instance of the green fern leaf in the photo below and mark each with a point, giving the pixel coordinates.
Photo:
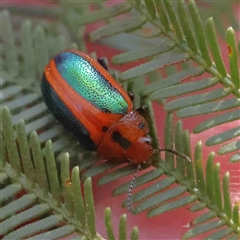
(185, 42)
(33, 207)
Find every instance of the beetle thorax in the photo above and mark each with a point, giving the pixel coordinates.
(128, 139)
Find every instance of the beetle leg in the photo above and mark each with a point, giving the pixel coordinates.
(130, 162)
(142, 109)
(131, 95)
(103, 62)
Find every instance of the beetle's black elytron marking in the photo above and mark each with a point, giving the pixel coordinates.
(122, 141)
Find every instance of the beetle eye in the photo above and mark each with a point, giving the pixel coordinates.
(141, 125)
(148, 140)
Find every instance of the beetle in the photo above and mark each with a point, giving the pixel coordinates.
(88, 102)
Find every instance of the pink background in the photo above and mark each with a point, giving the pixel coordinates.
(171, 225)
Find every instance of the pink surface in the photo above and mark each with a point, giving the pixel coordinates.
(171, 225)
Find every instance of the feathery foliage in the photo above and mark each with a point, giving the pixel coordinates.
(174, 35)
(33, 207)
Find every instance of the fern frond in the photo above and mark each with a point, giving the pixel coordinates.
(35, 52)
(191, 47)
(176, 37)
(218, 10)
(188, 41)
(198, 187)
(32, 193)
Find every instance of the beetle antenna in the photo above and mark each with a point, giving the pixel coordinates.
(174, 152)
(130, 188)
